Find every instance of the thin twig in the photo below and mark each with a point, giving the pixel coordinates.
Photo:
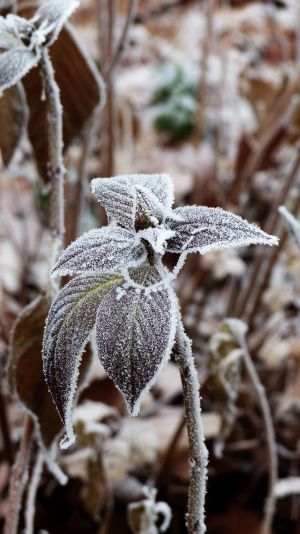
(32, 491)
(198, 451)
(238, 329)
(18, 479)
(78, 193)
(268, 268)
(5, 431)
(56, 163)
(132, 8)
(170, 452)
(107, 11)
(56, 167)
(275, 123)
(269, 228)
(159, 10)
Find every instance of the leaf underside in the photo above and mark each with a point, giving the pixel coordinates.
(80, 95)
(14, 64)
(135, 334)
(69, 324)
(203, 229)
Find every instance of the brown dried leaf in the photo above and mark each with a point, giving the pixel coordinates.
(80, 89)
(13, 119)
(25, 372)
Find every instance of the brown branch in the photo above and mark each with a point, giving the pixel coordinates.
(170, 452)
(238, 329)
(268, 267)
(56, 163)
(8, 447)
(282, 111)
(132, 7)
(269, 228)
(159, 10)
(19, 479)
(107, 9)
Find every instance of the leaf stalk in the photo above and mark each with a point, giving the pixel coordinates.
(198, 452)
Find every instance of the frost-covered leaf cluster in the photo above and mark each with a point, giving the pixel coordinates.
(23, 40)
(124, 290)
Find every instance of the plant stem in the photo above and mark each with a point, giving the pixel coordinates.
(132, 8)
(56, 164)
(18, 479)
(107, 9)
(56, 223)
(4, 424)
(198, 451)
(170, 453)
(32, 491)
(262, 400)
(269, 228)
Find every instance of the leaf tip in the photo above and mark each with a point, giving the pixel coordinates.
(68, 440)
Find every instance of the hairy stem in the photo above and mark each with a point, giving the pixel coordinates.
(18, 479)
(56, 163)
(262, 400)
(198, 451)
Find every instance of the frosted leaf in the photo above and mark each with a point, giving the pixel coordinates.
(14, 64)
(17, 29)
(156, 237)
(70, 321)
(135, 335)
(203, 229)
(104, 250)
(127, 198)
(52, 15)
(292, 225)
(9, 37)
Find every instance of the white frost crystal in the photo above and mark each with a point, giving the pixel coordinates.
(124, 289)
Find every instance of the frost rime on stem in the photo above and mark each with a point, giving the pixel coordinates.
(198, 451)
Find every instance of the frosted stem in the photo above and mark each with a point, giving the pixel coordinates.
(198, 451)
(32, 491)
(56, 164)
(18, 479)
(262, 400)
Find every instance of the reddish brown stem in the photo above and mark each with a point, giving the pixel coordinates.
(170, 452)
(18, 479)
(8, 448)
